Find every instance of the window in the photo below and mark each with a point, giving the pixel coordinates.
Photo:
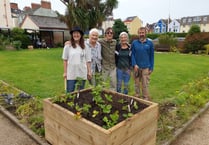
(205, 19)
(196, 19)
(184, 20)
(190, 20)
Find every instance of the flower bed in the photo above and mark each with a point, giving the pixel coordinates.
(67, 124)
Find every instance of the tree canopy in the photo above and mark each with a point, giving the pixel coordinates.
(119, 27)
(87, 14)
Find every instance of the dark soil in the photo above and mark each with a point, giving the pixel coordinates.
(119, 103)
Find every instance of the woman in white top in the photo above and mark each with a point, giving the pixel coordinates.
(96, 57)
(77, 61)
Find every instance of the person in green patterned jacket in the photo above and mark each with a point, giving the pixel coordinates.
(108, 57)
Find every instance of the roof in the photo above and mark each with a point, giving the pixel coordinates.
(129, 19)
(48, 22)
(42, 12)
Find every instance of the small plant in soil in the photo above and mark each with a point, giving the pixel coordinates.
(104, 108)
(24, 106)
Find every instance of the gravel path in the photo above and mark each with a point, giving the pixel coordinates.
(197, 133)
(10, 134)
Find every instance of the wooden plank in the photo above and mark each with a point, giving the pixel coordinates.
(143, 136)
(80, 127)
(133, 125)
(68, 130)
(51, 131)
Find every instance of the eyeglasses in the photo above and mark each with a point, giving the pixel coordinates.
(109, 32)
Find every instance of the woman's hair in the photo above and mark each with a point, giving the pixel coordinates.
(126, 34)
(123, 33)
(81, 42)
(108, 29)
(94, 30)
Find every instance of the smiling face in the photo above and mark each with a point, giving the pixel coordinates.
(142, 34)
(76, 36)
(123, 39)
(109, 34)
(93, 37)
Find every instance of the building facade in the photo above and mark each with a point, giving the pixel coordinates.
(133, 24)
(5, 15)
(202, 21)
(174, 26)
(160, 27)
(43, 24)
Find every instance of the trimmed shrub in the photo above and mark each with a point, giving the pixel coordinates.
(196, 42)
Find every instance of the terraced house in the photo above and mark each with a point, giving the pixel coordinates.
(202, 21)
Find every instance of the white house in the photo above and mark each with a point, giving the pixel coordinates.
(5, 15)
(174, 26)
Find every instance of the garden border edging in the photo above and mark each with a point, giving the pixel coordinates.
(178, 132)
(29, 132)
(24, 128)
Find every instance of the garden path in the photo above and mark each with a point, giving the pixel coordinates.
(10, 134)
(197, 133)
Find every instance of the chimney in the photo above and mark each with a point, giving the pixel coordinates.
(45, 4)
(35, 5)
(14, 5)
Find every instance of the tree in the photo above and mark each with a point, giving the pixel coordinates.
(87, 13)
(20, 38)
(194, 29)
(119, 27)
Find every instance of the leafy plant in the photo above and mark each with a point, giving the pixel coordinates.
(108, 97)
(128, 115)
(95, 113)
(86, 108)
(135, 105)
(71, 104)
(112, 121)
(106, 108)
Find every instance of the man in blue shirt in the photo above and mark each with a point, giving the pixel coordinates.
(142, 59)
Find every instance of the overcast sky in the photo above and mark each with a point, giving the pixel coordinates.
(149, 11)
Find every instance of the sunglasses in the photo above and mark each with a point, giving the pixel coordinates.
(109, 32)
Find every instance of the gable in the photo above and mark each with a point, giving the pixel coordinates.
(47, 22)
(28, 24)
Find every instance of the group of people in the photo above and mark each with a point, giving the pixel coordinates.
(113, 61)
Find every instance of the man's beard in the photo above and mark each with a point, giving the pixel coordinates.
(142, 37)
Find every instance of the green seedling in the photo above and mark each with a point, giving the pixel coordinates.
(95, 113)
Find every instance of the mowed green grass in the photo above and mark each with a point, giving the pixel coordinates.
(39, 72)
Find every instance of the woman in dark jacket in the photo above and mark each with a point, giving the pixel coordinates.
(123, 63)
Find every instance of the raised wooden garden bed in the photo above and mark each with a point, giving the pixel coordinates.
(61, 127)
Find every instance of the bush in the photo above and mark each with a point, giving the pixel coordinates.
(152, 36)
(196, 42)
(133, 37)
(168, 40)
(18, 34)
(17, 44)
(4, 41)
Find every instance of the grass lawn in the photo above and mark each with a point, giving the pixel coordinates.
(39, 72)
(178, 80)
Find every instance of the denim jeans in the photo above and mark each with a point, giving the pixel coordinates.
(71, 84)
(123, 76)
